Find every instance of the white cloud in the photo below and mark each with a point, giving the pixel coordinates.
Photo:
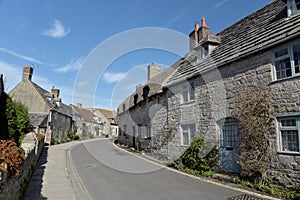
(109, 77)
(57, 30)
(11, 74)
(27, 58)
(220, 3)
(73, 65)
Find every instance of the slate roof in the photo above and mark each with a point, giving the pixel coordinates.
(86, 114)
(38, 119)
(46, 95)
(256, 32)
(155, 85)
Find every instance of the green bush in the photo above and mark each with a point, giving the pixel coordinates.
(16, 121)
(199, 159)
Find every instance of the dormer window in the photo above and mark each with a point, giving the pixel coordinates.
(293, 7)
(202, 52)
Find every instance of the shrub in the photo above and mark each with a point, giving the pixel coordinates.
(199, 159)
(17, 120)
(12, 155)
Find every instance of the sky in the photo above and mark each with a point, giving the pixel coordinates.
(97, 51)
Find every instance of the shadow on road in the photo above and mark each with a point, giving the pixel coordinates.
(34, 189)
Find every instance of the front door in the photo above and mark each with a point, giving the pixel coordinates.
(229, 143)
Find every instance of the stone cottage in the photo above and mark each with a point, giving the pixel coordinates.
(261, 49)
(48, 115)
(108, 121)
(143, 115)
(86, 123)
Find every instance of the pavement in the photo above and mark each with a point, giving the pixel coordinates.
(51, 179)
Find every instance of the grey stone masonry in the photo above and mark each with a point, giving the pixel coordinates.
(11, 188)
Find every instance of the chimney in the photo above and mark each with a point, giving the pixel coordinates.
(153, 70)
(204, 30)
(138, 86)
(79, 105)
(27, 73)
(55, 92)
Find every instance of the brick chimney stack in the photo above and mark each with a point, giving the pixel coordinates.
(27, 73)
(204, 30)
(153, 70)
(55, 92)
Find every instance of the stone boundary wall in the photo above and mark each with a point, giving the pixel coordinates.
(11, 188)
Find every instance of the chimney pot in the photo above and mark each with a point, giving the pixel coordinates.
(79, 105)
(197, 26)
(203, 21)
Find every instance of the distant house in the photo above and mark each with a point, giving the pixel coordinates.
(108, 119)
(200, 96)
(86, 123)
(47, 113)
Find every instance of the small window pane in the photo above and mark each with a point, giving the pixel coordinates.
(281, 52)
(185, 137)
(283, 68)
(290, 140)
(288, 122)
(185, 96)
(192, 91)
(296, 53)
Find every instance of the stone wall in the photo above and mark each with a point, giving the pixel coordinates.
(216, 93)
(215, 100)
(11, 188)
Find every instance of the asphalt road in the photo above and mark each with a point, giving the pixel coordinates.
(107, 172)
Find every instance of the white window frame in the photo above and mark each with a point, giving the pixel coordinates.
(287, 128)
(188, 89)
(290, 55)
(188, 129)
(202, 52)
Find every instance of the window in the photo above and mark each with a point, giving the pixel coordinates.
(293, 7)
(188, 133)
(287, 62)
(148, 132)
(188, 92)
(289, 134)
(202, 52)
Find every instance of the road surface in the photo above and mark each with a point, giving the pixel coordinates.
(108, 172)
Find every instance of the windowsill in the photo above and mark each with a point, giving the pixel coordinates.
(188, 102)
(285, 79)
(288, 153)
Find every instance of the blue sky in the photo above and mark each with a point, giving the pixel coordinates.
(56, 37)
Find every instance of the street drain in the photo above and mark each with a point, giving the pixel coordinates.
(245, 197)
